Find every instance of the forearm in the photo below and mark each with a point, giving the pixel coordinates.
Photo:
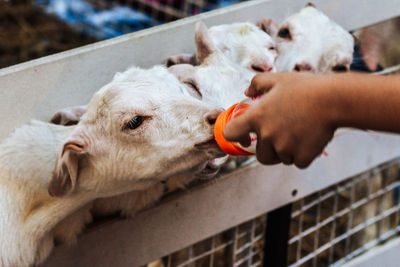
(364, 101)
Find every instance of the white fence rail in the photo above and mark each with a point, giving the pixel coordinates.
(38, 88)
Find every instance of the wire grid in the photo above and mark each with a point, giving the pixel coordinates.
(329, 227)
(239, 246)
(167, 10)
(335, 225)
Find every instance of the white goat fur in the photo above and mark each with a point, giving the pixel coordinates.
(243, 43)
(316, 40)
(221, 82)
(97, 158)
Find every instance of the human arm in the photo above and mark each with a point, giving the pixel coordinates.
(296, 119)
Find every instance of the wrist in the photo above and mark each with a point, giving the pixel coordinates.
(329, 100)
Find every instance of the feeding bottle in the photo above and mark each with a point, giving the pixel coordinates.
(234, 111)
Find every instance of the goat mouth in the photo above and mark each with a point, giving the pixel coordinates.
(210, 143)
(208, 172)
(210, 169)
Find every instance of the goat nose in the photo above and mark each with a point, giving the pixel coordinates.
(303, 67)
(261, 67)
(211, 116)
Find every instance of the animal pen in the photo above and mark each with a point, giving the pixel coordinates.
(343, 205)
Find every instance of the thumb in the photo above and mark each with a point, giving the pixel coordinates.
(260, 84)
(238, 130)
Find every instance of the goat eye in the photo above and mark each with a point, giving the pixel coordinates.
(134, 123)
(193, 85)
(272, 48)
(339, 68)
(284, 33)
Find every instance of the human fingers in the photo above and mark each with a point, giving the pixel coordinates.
(260, 84)
(309, 150)
(266, 153)
(238, 130)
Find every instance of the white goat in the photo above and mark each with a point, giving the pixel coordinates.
(142, 119)
(243, 43)
(310, 41)
(217, 81)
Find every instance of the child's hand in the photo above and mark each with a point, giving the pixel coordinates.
(292, 121)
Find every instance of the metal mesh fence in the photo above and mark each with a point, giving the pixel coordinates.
(239, 246)
(328, 227)
(335, 225)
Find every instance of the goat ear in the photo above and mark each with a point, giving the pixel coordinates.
(204, 45)
(183, 72)
(180, 59)
(66, 172)
(68, 116)
(268, 25)
(310, 4)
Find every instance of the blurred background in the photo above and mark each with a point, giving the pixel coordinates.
(31, 29)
